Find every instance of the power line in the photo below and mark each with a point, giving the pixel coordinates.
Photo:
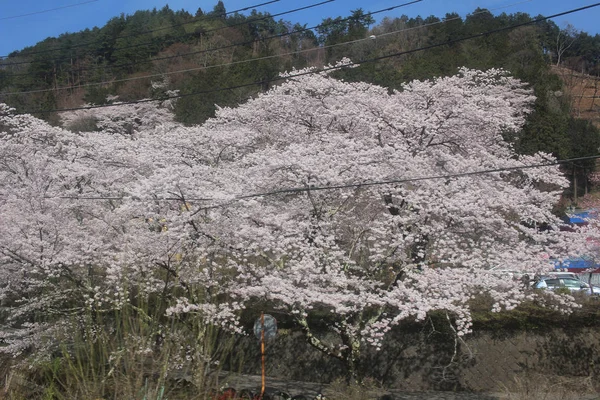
(445, 20)
(201, 19)
(266, 17)
(332, 187)
(272, 36)
(47, 11)
(393, 181)
(250, 21)
(316, 71)
(259, 58)
(236, 45)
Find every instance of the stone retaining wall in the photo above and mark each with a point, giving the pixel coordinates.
(424, 361)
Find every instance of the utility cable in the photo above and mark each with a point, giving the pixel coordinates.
(231, 46)
(313, 188)
(131, 64)
(47, 11)
(317, 71)
(250, 21)
(239, 44)
(201, 19)
(390, 182)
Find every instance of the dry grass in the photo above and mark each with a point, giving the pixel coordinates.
(584, 93)
(131, 361)
(547, 387)
(341, 390)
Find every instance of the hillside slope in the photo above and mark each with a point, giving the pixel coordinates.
(583, 91)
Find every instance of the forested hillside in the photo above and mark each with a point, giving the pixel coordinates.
(221, 57)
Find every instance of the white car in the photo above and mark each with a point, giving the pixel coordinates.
(561, 274)
(573, 284)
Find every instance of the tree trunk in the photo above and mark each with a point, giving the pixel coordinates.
(595, 93)
(574, 184)
(351, 357)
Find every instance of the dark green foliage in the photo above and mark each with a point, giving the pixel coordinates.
(544, 131)
(5, 79)
(358, 24)
(97, 95)
(203, 94)
(332, 30)
(531, 316)
(219, 10)
(585, 140)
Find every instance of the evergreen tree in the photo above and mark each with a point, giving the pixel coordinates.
(219, 11)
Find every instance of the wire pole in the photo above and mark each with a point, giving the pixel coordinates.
(262, 353)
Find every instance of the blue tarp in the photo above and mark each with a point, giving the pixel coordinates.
(581, 217)
(577, 218)
(579, 264)
(576, 264)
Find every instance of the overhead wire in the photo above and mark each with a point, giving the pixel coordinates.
(270, 16)
(201, 19)
(391, 181)
(205, 51)
(325, 69)
(296, 52)
(47, 11)
(314, 188)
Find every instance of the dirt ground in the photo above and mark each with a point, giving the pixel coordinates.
(333, 392)
(584, 91)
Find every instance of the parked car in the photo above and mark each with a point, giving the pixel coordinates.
(561, 274)
(554, 282)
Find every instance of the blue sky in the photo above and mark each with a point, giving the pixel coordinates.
(18, 30)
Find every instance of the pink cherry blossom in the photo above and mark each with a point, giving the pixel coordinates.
(145, 201)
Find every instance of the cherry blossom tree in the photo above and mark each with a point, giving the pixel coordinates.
(371, 256)
(74, 242)
(282, 202)
(122, 118)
